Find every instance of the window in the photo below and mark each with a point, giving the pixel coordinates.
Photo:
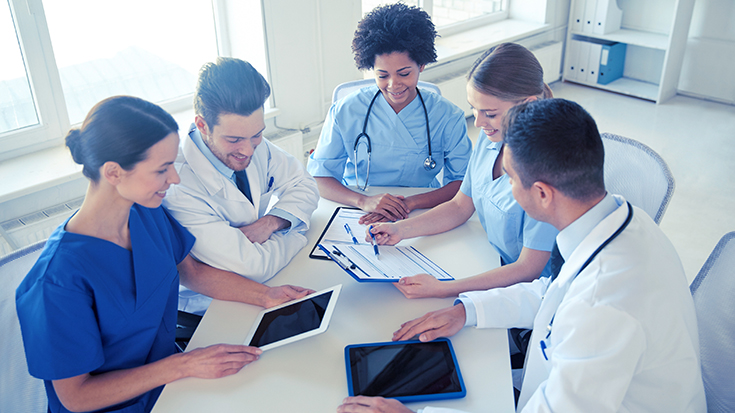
(451, 16)
(149, 49)
(17, 109)
(62, 57)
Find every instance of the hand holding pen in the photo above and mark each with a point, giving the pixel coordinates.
(375, 244)
(385, 234)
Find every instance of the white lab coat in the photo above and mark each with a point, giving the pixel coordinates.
(212, 208)
(624, 338)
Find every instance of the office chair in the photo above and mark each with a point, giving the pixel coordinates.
(636, 172)
(346, 88)
(713, 291)
(19, 391)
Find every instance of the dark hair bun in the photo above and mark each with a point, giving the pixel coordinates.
(74, 143)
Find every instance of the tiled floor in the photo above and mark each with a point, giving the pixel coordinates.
(696, 138)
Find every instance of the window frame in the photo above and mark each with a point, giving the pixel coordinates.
(45, 82)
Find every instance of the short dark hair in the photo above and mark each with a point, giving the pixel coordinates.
(229, 85)
(118, 129)
(394, 28)
(509, 72)
(556, 141)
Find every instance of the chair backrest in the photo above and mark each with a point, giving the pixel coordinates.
(713, 291)
(636, 172)
(19, 391)
(346, 88)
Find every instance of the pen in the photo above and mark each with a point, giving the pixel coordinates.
(349, 231)
(375, 244)
(270, 183)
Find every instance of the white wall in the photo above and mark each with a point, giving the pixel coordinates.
(707, 69)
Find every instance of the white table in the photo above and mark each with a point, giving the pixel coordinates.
(309, 375)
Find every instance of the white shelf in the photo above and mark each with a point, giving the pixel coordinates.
(653, 66)
(628, 86)
(634, 37)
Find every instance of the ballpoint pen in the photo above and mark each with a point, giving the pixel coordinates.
(375, 244)
(349, 231)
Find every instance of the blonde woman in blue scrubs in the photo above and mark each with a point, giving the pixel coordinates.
(98, 309)
(500, 79)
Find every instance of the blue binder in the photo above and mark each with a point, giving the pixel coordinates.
(612, 62)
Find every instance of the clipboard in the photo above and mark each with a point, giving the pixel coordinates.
(339, 215)
(396, 262)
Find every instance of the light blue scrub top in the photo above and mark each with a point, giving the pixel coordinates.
(91, 306)
(507, 225)
(399, 141)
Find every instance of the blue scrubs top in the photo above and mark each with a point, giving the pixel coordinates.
(91, 306)
(507, 225)
(399, 141)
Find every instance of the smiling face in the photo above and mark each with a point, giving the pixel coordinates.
(397, 76)
(147, 182)
(489, 112)
(234, 139)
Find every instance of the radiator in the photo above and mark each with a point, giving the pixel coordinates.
(36, 226)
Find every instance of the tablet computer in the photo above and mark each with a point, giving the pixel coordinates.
(294, 320)
(409, 371)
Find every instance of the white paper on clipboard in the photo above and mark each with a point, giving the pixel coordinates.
(394, 262)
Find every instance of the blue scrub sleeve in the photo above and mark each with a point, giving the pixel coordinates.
(61, 336)
(466, 186)
(458, 148)
(538, 235)
(330, 157)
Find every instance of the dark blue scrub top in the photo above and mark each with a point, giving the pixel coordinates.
(91, 306)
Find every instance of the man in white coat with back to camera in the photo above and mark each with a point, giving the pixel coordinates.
(229, 176)
(615, 331)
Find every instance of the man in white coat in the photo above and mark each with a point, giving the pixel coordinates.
(615, 331)
(230, 175)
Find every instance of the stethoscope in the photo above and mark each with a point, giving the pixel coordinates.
(544, 344)
(429, 162)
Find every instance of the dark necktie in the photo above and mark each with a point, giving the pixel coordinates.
(556, 261)
(241, 179)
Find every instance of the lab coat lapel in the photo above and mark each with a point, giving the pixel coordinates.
(537, 368)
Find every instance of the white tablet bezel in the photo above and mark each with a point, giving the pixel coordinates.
(322, 327)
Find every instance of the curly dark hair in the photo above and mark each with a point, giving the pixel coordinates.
(394, 28)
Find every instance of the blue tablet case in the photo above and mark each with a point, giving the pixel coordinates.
(409, 371)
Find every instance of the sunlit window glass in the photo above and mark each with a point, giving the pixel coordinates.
(448, 12)
(17, 108)
(149, 49)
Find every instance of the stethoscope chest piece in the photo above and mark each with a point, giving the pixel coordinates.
(429, 163)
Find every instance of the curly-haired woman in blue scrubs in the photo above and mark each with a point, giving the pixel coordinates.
(501, 78)
(98, 309)
(412, 132)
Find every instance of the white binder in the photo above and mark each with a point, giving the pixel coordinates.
(607, 17)
(590, 13)
(593, 65)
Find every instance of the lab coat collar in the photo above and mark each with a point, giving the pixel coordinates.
(602, 225)
(215, 183)
(571, 236)
(196, 136)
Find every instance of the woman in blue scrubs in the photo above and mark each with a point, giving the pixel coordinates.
(98, 309)
(395, 42)
(501, 78)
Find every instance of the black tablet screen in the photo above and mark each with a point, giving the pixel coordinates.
(400, 370)
(291, 320)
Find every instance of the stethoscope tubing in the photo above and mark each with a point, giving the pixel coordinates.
(586, 263)
(429, 162)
